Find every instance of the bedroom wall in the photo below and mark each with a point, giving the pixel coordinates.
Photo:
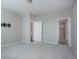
(13, 34)
(26, 25)
(50, 24)
(27, 19)
(74, 29)
(26, 28)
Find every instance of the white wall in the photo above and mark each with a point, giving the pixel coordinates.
(26, 27)
(50, 24)
(27, 19)
(9, 35)
(32, 18)
(74, 29)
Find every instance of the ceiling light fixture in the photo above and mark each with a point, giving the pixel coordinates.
(30, 1)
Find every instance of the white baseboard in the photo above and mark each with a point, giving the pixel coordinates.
(9, 44)
(40, 41)
(51, 42)
(26, 41)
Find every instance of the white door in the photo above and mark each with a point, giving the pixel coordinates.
(37, 31)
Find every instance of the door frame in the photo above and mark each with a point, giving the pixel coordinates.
(68, 30)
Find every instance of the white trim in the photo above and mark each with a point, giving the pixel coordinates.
(50, 42)
(69, 29)
(57, 30)
(9, 44)
(69, 32)
(26, 41)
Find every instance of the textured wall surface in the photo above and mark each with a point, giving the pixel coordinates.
(9, 35)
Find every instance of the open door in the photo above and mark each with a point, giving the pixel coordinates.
(37, 31)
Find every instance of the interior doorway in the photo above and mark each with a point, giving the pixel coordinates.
(36, 31)
(64, 31)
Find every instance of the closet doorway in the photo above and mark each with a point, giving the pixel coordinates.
(64, 32)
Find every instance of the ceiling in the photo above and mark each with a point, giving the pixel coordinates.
(37, 6)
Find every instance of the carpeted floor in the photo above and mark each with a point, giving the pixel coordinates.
(36, 51)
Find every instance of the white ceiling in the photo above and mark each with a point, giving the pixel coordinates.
(37, 6)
